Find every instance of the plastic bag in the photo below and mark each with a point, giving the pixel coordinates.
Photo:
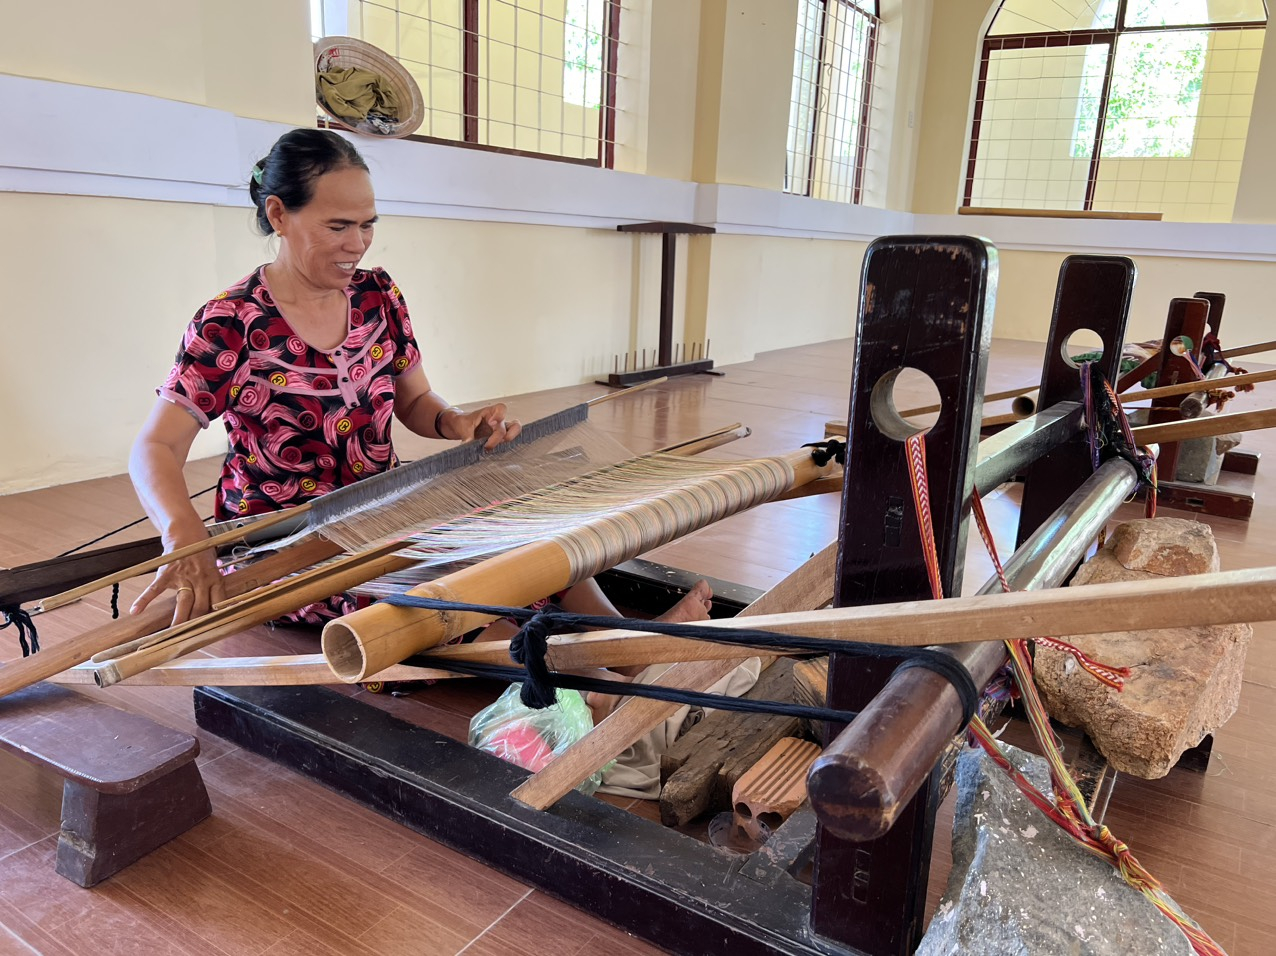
(532, 738)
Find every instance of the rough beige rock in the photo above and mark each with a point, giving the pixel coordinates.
(1169, 547)
(1185, 682)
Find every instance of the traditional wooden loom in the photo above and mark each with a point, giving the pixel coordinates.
(925, 304)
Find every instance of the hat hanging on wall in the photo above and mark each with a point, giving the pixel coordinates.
(365, 90)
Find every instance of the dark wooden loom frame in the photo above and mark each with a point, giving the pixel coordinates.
(925, 302)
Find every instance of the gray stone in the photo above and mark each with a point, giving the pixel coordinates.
(1020, 885)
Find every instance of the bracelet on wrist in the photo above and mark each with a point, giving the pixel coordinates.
(438, 419)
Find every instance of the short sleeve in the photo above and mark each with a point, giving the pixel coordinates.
(210, 363)
(407, 355)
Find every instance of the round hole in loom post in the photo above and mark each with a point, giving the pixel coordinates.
(1181, 345)
(1082, 347)
(905, 403)
(743, 810)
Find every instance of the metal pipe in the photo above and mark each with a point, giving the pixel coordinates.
(1012, 450)
(867, 776)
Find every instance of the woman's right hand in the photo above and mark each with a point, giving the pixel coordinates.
(195, 579)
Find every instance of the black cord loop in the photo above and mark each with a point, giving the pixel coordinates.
(831, 449)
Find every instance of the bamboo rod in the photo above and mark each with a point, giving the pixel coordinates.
(626, 392)
(1223, 597)
(57, 657)
(314, 585)
(1249, 349)
(1187, 388)
(1206, 427)
(226, 537)
(993, 397)
(272, 671)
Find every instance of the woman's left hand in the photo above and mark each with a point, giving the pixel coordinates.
(486, 423)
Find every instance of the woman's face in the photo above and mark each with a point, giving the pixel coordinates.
(325, 239)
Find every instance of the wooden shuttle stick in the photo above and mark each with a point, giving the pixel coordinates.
(1249, 349)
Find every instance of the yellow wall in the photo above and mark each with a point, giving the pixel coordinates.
(1026, 284)
(243, 56)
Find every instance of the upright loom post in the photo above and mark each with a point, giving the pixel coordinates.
(1093, 293)
(925, 303)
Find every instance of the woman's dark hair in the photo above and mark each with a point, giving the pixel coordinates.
(293, 164)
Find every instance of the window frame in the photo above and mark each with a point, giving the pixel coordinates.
(1041, 39)
(604, 158)
(818, 117)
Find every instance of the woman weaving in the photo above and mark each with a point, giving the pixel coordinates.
(305, 360)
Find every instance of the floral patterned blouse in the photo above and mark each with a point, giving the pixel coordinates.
(301, 421)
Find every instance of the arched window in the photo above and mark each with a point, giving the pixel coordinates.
(830, 115)
(525, 76)
(1115, 105)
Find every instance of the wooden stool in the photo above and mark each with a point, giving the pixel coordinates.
(131, 785)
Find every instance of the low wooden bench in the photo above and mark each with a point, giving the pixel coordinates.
(130, 784)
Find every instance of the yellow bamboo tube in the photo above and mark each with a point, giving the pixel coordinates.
(375, 638)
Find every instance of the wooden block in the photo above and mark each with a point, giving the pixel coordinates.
(774, 787)
(701, 769)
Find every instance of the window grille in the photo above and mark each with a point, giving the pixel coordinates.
(831, 110)
(1115, 106)
(535, 77)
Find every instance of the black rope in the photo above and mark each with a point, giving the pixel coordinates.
(539, 682)
(115, 601)
(831, 449)
(28, 639)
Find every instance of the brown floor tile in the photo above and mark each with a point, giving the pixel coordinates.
(406, 933)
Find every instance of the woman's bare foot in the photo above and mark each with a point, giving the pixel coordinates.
(694, 606)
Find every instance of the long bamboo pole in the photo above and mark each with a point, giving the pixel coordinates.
(1249, 349)
(1206, 427)
(991, 397)
(266, 671)
(226, 537)
(57, 657)
(1224, 597)
(1187, 388)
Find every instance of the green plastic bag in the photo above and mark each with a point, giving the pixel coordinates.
(532, 738)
